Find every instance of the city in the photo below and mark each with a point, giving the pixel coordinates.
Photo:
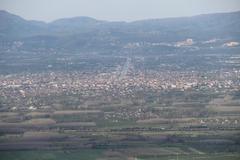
(82, 88)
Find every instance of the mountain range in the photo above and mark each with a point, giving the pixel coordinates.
(85, 33)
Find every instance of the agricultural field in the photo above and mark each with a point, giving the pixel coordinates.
(199, 128)
(120, 115)
(89, 89)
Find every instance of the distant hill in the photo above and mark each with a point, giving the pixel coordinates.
(87, 33)
(12, 26)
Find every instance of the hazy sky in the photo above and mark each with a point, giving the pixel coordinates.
(115, 10)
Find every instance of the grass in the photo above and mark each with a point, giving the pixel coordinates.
(195, 157)
(94, 154)
(84, 154)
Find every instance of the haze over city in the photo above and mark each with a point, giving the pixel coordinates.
(119, 80)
